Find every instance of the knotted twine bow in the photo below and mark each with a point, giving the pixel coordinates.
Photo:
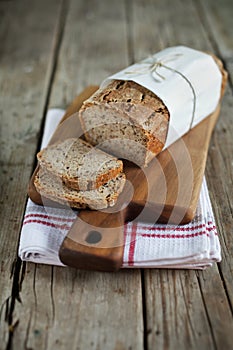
(152, 68)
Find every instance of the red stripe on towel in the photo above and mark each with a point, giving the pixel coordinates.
(50, 217)
(176, 228)
(164, 235)
(46, 223)
(132, 245)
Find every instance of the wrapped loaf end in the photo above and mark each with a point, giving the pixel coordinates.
(127, 120)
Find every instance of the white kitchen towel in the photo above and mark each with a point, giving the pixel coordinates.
(192, 246)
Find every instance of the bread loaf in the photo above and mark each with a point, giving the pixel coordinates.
(127, 120)
(105, 196)
(130, 121)
(79, 165)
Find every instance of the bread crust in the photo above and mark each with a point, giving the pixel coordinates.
(84, 182)
(133, 100)
(103, 197)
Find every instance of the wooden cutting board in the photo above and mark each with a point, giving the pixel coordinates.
(167, 191)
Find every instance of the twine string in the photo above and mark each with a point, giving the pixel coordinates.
(153, 69)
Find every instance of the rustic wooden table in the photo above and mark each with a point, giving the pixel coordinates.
(49, 51)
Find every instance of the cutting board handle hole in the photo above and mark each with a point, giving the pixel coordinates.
(93, 237)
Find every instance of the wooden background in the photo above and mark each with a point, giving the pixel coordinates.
(49, 51)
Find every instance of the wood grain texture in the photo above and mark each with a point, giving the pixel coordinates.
(95, 242)
(78, 310)
(195, 313)
(219, 164)
(217, 19)
(183, 323)
(220, 179)
(25, 73)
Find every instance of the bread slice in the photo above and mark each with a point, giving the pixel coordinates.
(103, 197)
(79, 165)
(128, 120)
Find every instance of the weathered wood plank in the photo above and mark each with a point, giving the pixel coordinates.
(218, 17)
(59, 310)
(220, 179)
(176, 317)
(194, 314)
(156, 25)
(217, 307)
(98, 49)
(25, 72)
(78, 309)
(188, 318)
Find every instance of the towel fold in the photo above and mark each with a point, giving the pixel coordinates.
(192, 246)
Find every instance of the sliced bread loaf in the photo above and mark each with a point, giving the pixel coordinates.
(79, 165)
(127, 120)
(103, 197)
